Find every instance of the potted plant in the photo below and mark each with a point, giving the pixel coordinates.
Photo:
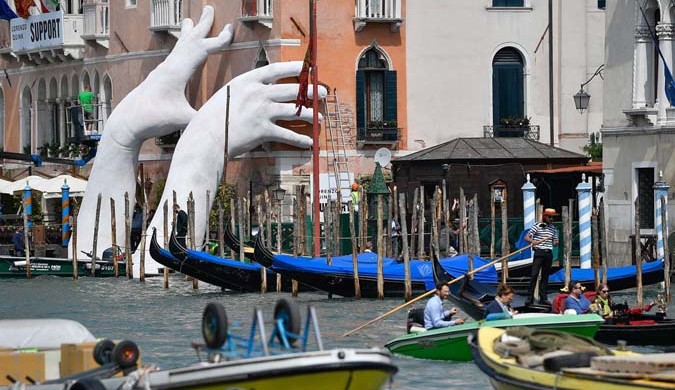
(54, 149)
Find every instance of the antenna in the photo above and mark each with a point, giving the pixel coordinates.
(383, 156)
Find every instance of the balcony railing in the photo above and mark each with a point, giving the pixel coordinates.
(528, 132)
(97, 22)
(257, 11)
(378, 11)
(166, 15)
(378, 136)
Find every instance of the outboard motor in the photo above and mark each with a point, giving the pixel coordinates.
(415, 318)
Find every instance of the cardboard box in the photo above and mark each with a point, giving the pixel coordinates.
(21, 365)
(76, 358)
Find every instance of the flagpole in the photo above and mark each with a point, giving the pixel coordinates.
(315, 129)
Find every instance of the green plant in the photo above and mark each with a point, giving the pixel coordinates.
(26, 149)
(514, 121)
(224, 193)
(594, 147)
(54, 149)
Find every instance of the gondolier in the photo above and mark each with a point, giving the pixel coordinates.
(543, 237)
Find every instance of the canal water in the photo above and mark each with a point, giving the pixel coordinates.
(164, 321)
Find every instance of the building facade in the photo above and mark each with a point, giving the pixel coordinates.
(639, 122)
(473, 64)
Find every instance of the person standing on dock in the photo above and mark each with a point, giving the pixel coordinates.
(19, 242)
(181, 224)
(543, 237)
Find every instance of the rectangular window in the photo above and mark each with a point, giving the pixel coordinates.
(602, 4)
(131, 3)
(508, 3)
(645, 186)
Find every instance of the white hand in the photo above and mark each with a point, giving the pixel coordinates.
(255, 104)
(156, 107)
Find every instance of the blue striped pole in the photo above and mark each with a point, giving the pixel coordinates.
(660, 190)
(528, 204)
(584, 199)
(28, 204)
(65, 213)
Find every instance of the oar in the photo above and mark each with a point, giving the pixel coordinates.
(426, 294)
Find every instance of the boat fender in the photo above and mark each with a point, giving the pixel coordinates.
(497, 316)
(103, 351)
(88, 384)
(572, 360)
(125, 354)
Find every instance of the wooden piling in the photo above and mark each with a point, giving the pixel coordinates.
(127, 237)
(144, 226)
(596, 247)
(406, 252)
(506, 247)
(355, 258)
(461, 229)
(666, 249)
(261, 228)
(420, 226)
(388, 241)
(221, 231)
(446, 232)
(492, 228)
(193, 232)
(240, 211)
(165, 211)
(96, 222)
(394, 204)
(113, 231)
(73, 237)
(638, 253)
(604, 241)
(328, 230)
(233, 222)
(296, 239)
(279, 215)
(380, 248)
(336, 227)
(413, 225)
(434, 226)
(567, 247)
(475, 233)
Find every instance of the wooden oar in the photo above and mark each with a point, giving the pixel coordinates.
(426, 294)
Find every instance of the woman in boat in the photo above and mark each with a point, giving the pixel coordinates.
(500, 308)
(603, 303)
(576, 300)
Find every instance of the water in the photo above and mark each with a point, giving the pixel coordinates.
(163, 322)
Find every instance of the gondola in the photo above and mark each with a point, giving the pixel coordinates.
(233, 242)
(338, 278)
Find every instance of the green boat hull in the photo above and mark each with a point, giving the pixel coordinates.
(14, 267)
(450, 343)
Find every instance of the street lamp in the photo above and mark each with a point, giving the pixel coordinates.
(582, 98)
(279, 192)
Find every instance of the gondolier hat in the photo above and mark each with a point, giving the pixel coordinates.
(550, 212)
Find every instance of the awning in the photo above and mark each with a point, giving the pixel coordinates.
(52, 188)
(18, 185)
(593, 168)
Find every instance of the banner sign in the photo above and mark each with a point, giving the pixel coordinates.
(328, 190)
(37, 32)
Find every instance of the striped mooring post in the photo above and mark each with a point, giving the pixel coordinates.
(528, 204)
(28, 204)
(584, 199)
(660, 190)
(65, 213)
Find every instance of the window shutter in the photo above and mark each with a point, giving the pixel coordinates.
(360, 99)
(390, 96)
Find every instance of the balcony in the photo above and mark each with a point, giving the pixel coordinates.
(378, 11)
(69, 46)
(384, 135)
(530, 132)
(166, 15)
(97, 23)
(259, 11)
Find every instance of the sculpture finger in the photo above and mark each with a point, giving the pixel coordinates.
(185, 28)
(219, 42)
(283, 135)
(288, 92)
(202, 28)
(271, 73)
(287, 112)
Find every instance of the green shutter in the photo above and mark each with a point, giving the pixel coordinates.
(390, 96)
(360, 100)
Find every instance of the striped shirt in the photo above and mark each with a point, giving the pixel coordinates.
(541, 231)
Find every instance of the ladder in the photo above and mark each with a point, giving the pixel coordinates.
(337, 139)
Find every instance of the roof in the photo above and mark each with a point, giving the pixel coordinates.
(593, 167)
(491, 149)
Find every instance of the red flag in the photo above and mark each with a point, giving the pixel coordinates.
(23, 7)
(302, 99)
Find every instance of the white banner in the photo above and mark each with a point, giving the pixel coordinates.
(328, 190)
(37, 32)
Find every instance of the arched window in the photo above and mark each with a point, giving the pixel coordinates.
(262, 59)
(508, 96)
(376, 97)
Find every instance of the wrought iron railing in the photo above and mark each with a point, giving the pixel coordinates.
(166, 13)
(378, 135)
(528, 132)
(96, 19)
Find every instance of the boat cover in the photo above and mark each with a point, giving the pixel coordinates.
(45, 333)
(613, 273)
(420, 270)
(203, 256)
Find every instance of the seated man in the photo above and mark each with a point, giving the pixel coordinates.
(434, 314)
(576, 300)
(499, 308)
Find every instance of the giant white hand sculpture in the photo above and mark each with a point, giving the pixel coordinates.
(197, 163)
(156, 107)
